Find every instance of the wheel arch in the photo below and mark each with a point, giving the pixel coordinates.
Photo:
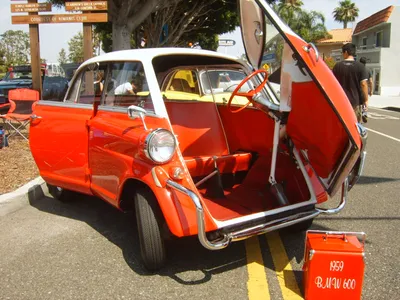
(163, 201)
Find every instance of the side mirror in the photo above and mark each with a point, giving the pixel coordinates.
(136, 111)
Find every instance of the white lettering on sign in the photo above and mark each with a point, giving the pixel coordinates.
(336, 266)
(335, 283)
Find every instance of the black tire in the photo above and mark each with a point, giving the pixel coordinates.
(58, 193)
(149, 222)
(300, 227)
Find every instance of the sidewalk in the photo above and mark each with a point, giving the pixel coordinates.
(383, 102)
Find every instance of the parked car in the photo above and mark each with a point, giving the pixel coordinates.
(159, 136)
(54, 88)
(16, 77)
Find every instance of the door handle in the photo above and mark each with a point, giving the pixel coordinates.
(308, 47)
(35, 117)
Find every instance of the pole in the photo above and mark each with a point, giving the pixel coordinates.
(35, 54)
(87, 41)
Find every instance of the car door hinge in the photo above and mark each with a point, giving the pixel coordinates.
(88, 174)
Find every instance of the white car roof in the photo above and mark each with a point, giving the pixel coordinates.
(148, 54)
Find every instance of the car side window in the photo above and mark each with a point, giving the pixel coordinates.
(182, 85)
(92, 84)
(73, 91)
(127, 85)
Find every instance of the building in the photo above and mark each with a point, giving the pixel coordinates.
(378, 40)
(339, 37)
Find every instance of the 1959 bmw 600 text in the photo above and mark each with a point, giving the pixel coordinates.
(199, 143)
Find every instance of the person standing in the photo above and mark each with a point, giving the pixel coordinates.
(353, 77)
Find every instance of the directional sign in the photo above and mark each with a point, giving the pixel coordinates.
(86, 5)
(30, 7)
(269, 57)
(62, 18)
(226, 43)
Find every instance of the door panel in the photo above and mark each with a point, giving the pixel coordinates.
(59, 144)
(321, 120)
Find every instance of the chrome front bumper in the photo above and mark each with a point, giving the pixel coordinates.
(252, 230)
(276, 224)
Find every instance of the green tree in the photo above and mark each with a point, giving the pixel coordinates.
(62, 57)
(125, 16)
(75, 47)
(15, 47)
(346, 12)
(310, 26)
(288, 10)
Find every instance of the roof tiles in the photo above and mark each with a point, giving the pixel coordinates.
(339, 36)
(375, 19)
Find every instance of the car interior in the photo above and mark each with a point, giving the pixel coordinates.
(227, 154)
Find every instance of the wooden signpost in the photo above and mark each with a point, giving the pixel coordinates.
(30, 7)
(34, 19)
(60, 18)
(85, 5)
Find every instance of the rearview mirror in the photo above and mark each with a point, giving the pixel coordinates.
(252, 25)
(136, 111)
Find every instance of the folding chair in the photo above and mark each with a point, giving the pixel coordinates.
(22, 102)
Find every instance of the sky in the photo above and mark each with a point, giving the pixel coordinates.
(53, 37)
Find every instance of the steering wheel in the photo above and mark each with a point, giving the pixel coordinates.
(248, 94)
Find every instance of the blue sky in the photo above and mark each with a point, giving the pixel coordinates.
(56, 36)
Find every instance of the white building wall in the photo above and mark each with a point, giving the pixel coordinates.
(390, 59)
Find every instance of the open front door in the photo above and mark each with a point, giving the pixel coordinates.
(321, 122)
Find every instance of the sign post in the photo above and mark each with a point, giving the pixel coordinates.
(34, 19)
(35, 54)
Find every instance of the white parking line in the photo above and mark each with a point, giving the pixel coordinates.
(374, 115)
(385, 135)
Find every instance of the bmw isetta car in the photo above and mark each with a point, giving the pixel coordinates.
(199, 143)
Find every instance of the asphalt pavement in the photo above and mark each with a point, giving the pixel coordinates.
(84, 249)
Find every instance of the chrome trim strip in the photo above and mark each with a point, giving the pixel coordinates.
(345, 189)
(65, 104)
(359, 167)
(273, 225)
(201, 228)
(119, 109)
(248, 232)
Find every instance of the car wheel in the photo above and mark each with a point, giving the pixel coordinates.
(58, 193)
(148, 217)
(300, 227)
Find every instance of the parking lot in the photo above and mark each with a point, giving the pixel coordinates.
(85, 249)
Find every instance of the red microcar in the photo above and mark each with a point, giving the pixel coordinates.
(201, 143)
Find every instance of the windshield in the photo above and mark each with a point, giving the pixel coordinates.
(18, 75)
(222, 81)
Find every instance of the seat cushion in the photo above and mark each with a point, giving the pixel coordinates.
(204, 165)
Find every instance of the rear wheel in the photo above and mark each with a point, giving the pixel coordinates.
(149, 221)
(58, 193)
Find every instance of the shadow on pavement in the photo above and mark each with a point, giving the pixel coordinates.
(372, 180)
(188, 262)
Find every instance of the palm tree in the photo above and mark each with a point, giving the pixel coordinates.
(347, 11)
(287, 10)
(311, 26)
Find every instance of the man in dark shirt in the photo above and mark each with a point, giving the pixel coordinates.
(353, 77)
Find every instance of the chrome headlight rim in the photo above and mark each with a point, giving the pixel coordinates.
(148, 140)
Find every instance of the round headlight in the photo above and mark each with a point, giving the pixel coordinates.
(160, 146)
